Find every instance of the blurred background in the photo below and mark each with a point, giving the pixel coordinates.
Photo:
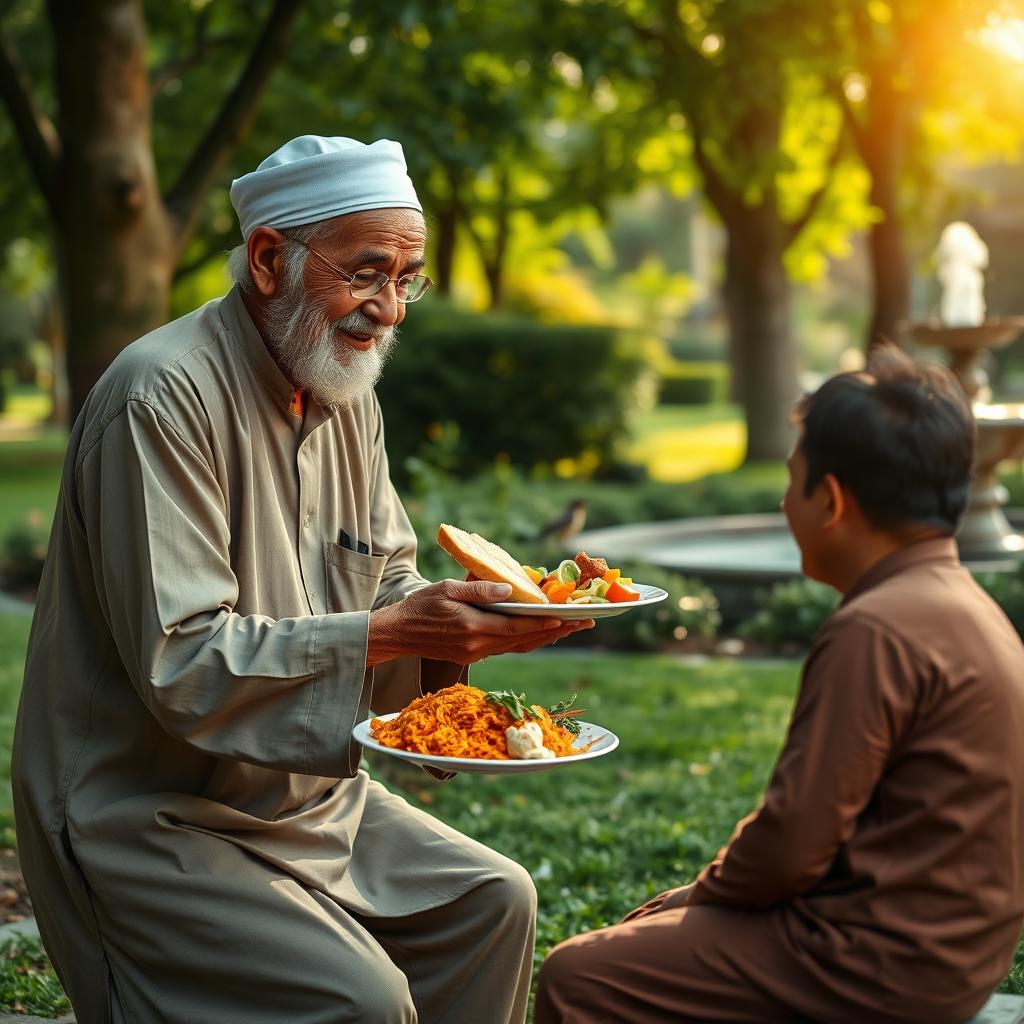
(653, 223)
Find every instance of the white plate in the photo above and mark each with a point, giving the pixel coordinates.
(605, 743)
(567, 612)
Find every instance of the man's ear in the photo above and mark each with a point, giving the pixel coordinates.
(836, 500)
(264, 251)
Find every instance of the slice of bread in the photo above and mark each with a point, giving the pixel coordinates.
(489, 562)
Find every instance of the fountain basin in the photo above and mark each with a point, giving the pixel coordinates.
(734, 555)
(994, 332)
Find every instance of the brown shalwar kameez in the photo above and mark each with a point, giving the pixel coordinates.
(196, 834)
(881, 878)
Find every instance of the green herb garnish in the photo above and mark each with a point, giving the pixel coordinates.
(563, 705)
(515, 704)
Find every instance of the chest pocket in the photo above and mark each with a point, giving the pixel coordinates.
(352, 579)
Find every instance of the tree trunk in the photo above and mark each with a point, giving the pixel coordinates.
(882, 146)
(444, 254)
(495, 281)
(494, 267)
(757, 296)
(114, 244)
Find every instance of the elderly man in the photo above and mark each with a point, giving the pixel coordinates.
(231, 585)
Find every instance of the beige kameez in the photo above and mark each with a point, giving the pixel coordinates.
(197, 837)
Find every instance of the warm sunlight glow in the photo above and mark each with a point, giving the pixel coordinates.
(1004, 36)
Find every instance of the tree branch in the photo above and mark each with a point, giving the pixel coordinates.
(170, 70)
(850, 118)
(721, 196)
(185, 198)
(35, 131)
(794, 229)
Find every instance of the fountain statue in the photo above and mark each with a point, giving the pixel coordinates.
(963, 330)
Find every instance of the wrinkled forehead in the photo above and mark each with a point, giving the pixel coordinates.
(393, 230)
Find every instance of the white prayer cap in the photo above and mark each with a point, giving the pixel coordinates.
(314, 178)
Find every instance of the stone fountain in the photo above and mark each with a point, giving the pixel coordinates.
(737, 555)
(963, 330)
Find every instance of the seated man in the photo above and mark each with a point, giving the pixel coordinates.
(231, 584)
(881, 878)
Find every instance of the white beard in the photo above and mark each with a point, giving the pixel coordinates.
(305, 343)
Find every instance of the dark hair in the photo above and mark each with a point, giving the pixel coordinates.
(899, 435)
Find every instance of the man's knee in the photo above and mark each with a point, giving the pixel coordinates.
(512, 895)
(564, 974)
(383, 998)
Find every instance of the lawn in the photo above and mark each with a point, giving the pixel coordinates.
(29, 477)
(679, 443)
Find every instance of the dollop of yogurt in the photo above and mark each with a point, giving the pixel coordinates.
(526, 743)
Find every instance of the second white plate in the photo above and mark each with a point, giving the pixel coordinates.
(604, 742)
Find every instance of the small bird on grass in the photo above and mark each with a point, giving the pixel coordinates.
(566, 525)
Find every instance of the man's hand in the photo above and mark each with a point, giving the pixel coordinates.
(443, 622)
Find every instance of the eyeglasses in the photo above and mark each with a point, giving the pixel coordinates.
(364, 284)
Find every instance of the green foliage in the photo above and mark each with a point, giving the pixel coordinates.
(22, 552)
(517, 390)
(1007, 590)
(693, 383)
(28, 984)
(791, 613)
(495, 504)
(747, 491)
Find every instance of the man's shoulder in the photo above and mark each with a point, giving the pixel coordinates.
(142, 368)
(934, 616)
(157, 369)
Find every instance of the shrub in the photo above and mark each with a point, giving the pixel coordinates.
(496, 504)
(21, 556)
(747, 491)
(1007, 590)
(516, 389)
(693, 383)
(790, 614)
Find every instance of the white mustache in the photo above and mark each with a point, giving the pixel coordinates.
(359, 324)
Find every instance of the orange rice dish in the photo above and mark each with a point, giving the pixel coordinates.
(459, 722)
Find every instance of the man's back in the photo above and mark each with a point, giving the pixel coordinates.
(927, 893)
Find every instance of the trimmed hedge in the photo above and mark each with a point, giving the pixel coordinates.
(694, 383)
(517, 390)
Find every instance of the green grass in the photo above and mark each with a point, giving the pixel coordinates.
(28, 405)
(29, 479)
(28, 983)
(697, 745)
(13, 641)
(679, 443)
